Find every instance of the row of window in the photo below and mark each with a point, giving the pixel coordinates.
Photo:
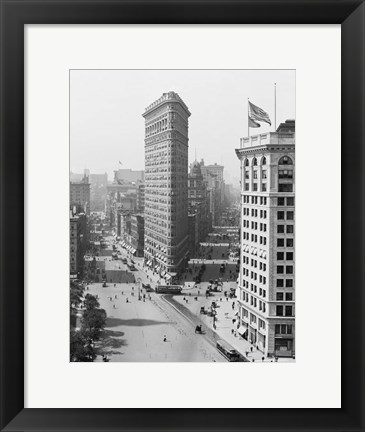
(283, 329)
(246, 260)
(288, 269)
(289, 229)
(284, 310)
(289, 256)
(288, 283)
(254, 212)
(280, 242)
(288, 296)
(282, 201)
(254, 199)
(253, 288)
(255, 187)
(246, 236)
(289, 215)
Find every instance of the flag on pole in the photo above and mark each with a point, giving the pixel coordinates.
(258, 114)
(252, 123)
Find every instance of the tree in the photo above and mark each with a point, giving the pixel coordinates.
(91, 302)
(81, 349)
(93, 322)
(76, 293)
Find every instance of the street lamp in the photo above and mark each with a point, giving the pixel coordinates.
(139, 280)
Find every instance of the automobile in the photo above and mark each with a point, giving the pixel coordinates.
(202, 310)
(211, 281)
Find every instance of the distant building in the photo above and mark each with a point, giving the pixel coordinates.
(198, 205)
(213, 176)
(128, 176)
(98, 191)
(119, 198)
(137, 233)
(80, 196)
(141, 196)
(78, 239)
(166, 179)
(267, 274)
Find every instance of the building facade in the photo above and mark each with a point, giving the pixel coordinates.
(137, 233)
(266, 290)
(78, 240)
(140, 196)
(80, 196)
(166, 184)
(198, 206)
(213, 176)
(128, 176)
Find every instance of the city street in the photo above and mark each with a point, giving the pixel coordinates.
(135, 330)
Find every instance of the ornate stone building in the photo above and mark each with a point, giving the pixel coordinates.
(267, 273)
(166, 183)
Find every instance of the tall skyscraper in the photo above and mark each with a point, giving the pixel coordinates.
(267, 276)
(166, 183)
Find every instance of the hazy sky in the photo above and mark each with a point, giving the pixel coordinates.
(107, 105)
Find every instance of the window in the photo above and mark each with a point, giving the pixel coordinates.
(254, 162)
(290, 201)
(279, 283)
(289, 296)
(280, 256)
(285, 160)
(289, 283)
(289, 256)
(247, 187)
(289, 242)
(289, 269)
(280, 242)
(264, 174)
(285, 174)
(285, 187)
(263, 187)
(264, 160)
(255, 174)
(281, 201)
(280, 269)
(247, 175)
(279, 296)
(280, 229)
(290, 229)
(288, 310)
(247, 163)
(290, 215)
(279, 310)
(281, 215)
(255, 187)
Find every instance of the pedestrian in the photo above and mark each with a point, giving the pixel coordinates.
(127, 301)
(113, 306)
(232, 331)
(115, 284)
(115, 296)
(164, 338)
(251, 348)
(262, 358)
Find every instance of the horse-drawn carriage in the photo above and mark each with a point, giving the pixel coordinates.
(198, 329)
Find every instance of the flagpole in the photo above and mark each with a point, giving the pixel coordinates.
(275, 105)
(248, 119)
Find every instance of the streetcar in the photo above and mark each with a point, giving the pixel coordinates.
(229, 352)
(168, 289)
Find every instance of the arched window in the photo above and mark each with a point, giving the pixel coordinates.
(254, 162)
(285, 160)
(247, 163)
(264, 160)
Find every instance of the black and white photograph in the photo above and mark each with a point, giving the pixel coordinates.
(182, 215)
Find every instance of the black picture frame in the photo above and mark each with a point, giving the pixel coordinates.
(14, 15)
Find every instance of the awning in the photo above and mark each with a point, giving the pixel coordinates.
(168, 276)
(163, 273)
(242, 332)
(237, 311)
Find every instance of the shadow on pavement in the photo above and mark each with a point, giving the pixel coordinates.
(111, 341)
(114, 322)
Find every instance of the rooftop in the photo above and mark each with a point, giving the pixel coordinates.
(166, 97)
